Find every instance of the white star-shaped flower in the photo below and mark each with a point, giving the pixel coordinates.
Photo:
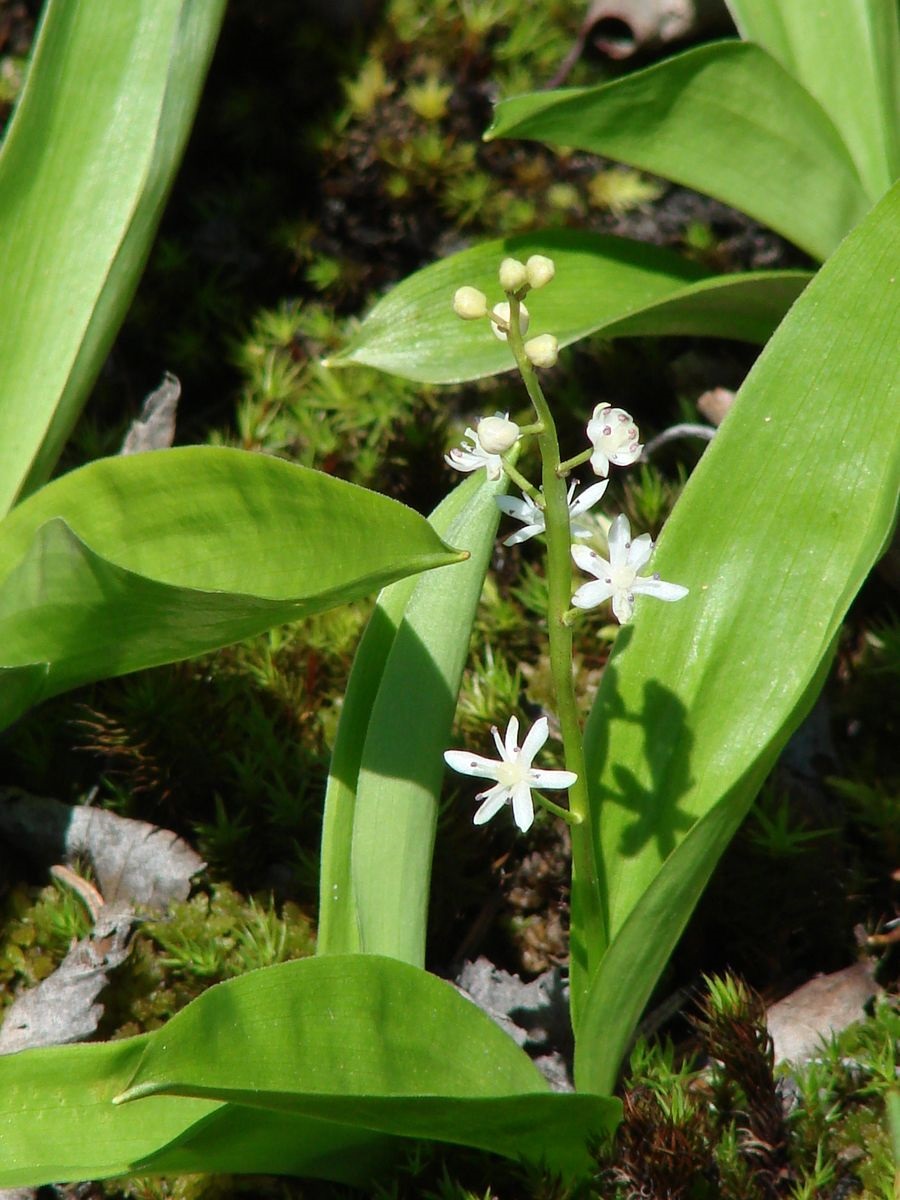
(618, 579)
(514, 774)
(532, 517)
(501, 434)
(615, 438)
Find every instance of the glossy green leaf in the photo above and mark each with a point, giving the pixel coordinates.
(850, 61)
(85, 168)
(131, 562)
(57, 1119)
(375, 1043)
(725, 119)
(775, 532)
(338, 926)
(607, 285)
(402, 765)
(367, 1045)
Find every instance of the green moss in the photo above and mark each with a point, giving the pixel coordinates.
(37, 927)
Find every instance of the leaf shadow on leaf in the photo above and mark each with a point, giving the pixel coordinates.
(667, 746)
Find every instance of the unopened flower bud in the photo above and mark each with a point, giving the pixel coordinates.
(469, 303)
(497, 434)
(543, 351)
(501, 310)
(513, 275)
(539, 270)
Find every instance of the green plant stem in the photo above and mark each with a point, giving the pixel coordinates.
(571, 463)
(570, 818)
(519, 479)
(589, 933)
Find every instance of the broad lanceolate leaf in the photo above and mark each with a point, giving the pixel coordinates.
(84, 171)
(776, 530)
(726, 119)
(850, 62)
(338, 927)
(320, 1063)
(387, 766)
(402, 766)
(131, 562)
(603, 284)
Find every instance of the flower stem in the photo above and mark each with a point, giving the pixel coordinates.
(571, 463)
(589, 932)
(518, 478)
(567, 815)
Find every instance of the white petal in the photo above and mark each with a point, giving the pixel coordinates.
(588, 498)
(553, 780)
(623, 606)
(660, 589)
(529, 531)
(463, 460)
(617, 538)
(640, 551)
(493, 802)
(599, 463)
(494, 464)
(498, 742)
(512, 739)
(589, 595)
(537, 735)
(521, 509)
(626, 455)
(523, 807)
(471, 764)
(590, 561)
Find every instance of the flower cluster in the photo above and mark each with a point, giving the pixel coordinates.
(614, 441)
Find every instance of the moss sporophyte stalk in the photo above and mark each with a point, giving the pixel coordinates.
(556, 511)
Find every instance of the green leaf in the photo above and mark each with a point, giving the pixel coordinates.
(850, 62)
(338, 926)
(371, 1042)
(776, 530)
(319, 1053)
(57, 1119)
(726, 119)
(131, 562)
(85, 168)
(603, 284)
(402, 765)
